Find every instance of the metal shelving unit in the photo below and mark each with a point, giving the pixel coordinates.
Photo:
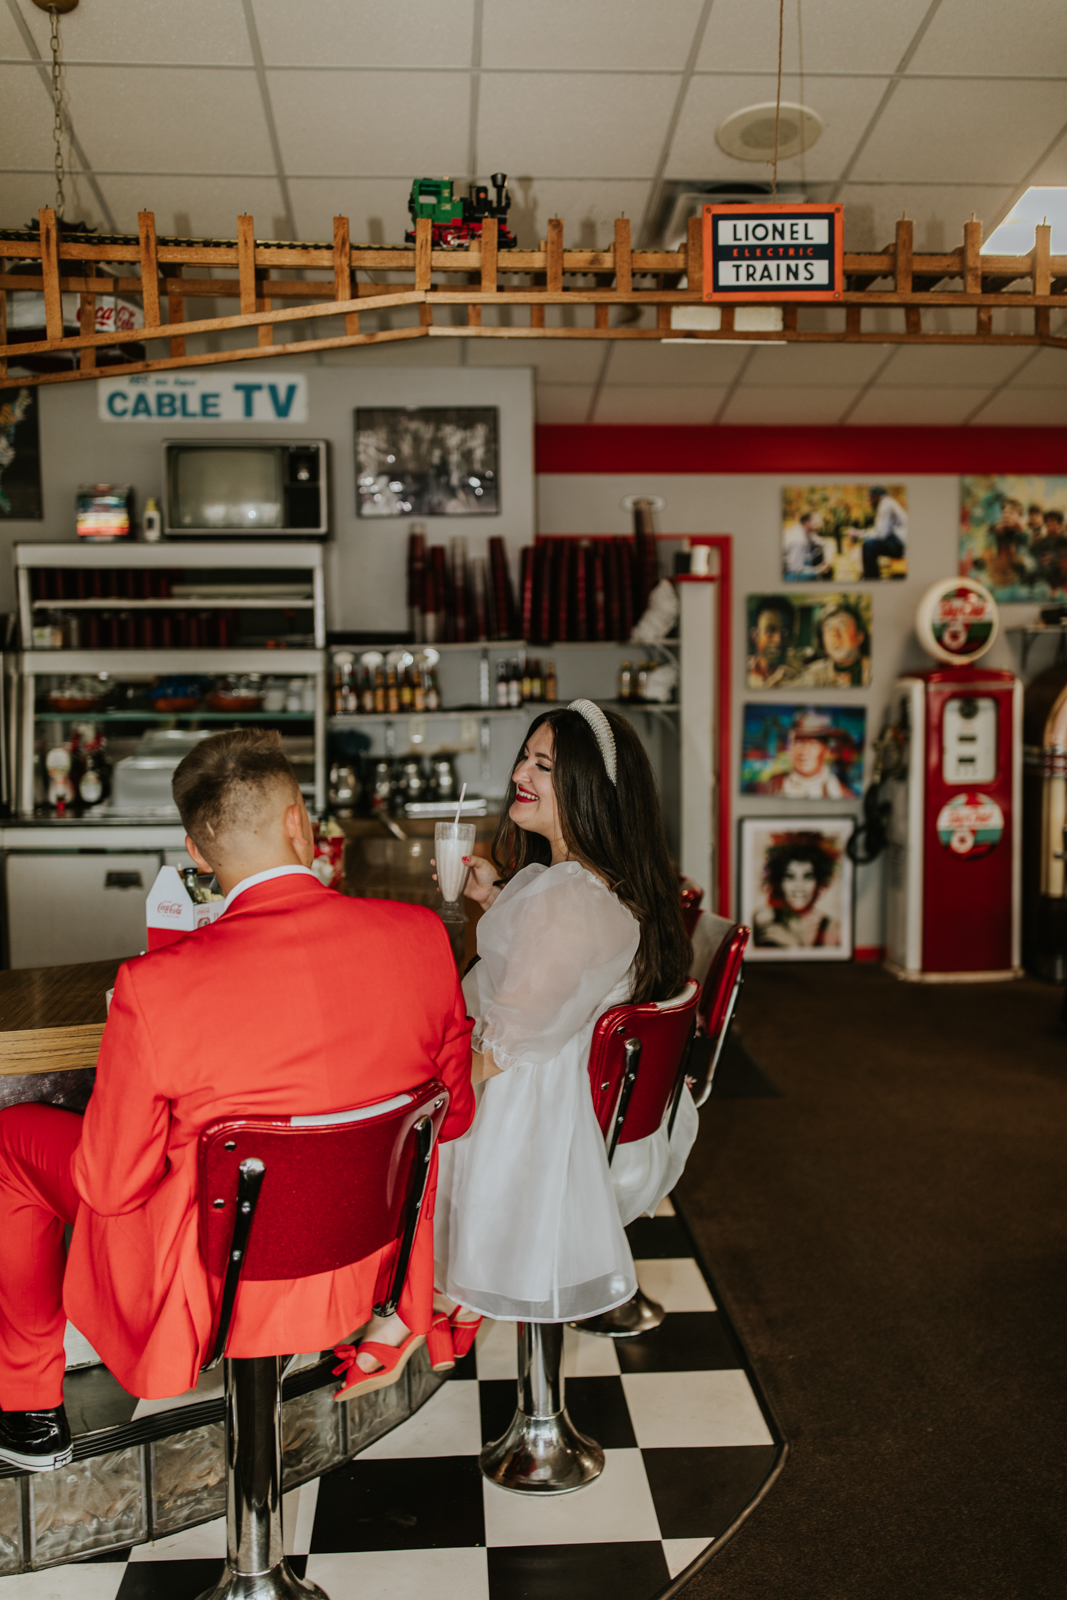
(307, 593)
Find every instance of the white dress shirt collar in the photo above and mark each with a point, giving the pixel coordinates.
(263, 877)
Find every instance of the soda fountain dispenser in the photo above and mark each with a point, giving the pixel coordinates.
(953, 897)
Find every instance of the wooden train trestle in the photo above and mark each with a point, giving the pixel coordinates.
(451, 287)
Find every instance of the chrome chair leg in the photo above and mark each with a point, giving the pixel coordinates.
(256, 1568)
(635, 1316)
(542, 1451)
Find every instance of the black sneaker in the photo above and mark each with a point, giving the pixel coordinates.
(35, 1441)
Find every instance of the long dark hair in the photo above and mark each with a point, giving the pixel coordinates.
(617, 832)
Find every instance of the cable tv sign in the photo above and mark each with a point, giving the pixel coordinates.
(773, 252)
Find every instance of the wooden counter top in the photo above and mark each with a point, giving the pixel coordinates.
(52, 1018)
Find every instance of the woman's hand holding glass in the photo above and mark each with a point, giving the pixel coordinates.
(481, 883)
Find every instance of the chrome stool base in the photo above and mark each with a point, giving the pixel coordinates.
(635, 1316)
(256, 1568)
(280, 1583)
(542, 1452)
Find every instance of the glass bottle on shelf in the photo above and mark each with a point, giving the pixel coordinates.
(537, 686)
(407, 692)
(626, 680)
(514, 686)
(379, 688)
(433, 695)
(551, 687)
(524, 681)
(418, 691)
(366, 690)
(392, 693)
(501, 684)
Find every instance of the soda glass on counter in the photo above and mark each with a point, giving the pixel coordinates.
(453, 841)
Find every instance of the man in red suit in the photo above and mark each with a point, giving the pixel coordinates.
(297, 1000)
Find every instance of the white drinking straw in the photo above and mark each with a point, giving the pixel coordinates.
(459, 807)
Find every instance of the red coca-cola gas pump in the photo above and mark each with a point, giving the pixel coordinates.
(953, 899)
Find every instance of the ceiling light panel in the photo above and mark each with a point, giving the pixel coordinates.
(755, 132)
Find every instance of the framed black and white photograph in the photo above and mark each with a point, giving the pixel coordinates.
(796, 888)
(20, 456)
(427, 461)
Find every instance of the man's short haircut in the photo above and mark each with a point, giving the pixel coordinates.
(224, 781)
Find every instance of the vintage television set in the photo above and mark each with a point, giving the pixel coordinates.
(263, 489)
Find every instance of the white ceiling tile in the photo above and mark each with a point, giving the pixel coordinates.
(1047, 370)
(988, 36)
(1024, 408)
(197, 208)
(642, 403)
(588, 208)
(169, 119)
(22, 194)
(808, 407)
(937, 210)
(562, 402)
(148, 30)
(1053, 170)
(376, 208)
(925, 407)
(845, 106)
(406, 123)
(970, 365)
(365, 33)
(25, 119)
(797, 364)
(598, 34)
(835, 39)
(573, 124)
(690, 365)
(945, 132)
(11, 41)
(556, 361)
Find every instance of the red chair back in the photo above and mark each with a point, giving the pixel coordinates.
(718, 999)
(691, 898)
(289, 1197)
(636, 1064)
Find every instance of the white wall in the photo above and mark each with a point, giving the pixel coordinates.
(749, 508)
(366, 556)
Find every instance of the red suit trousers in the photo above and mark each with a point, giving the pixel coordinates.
(37, 1197)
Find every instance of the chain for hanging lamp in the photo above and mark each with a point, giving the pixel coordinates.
(54, 9)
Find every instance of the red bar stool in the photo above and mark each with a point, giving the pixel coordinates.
(289, 1197)
(721, 987)
(637, 1065)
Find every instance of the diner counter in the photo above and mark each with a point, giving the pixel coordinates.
(51, 1022)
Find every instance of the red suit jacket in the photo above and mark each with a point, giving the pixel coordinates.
(297, 1000)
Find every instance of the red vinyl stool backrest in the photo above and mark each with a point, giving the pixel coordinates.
(334, 1189)
(722, 980)
(663, 1029)
(691, 899)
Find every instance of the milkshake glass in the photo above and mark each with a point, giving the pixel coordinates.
(452, 841)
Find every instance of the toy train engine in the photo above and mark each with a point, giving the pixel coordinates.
(458, 219)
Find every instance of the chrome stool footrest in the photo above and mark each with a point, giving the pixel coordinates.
(635, 1316)
(542, 1451)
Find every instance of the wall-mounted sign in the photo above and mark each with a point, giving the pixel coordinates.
(252, 396)
(765, 252)
(957, 620)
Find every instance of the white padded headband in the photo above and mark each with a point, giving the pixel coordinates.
(602, 728)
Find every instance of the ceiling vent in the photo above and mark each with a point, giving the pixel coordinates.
(748, 135)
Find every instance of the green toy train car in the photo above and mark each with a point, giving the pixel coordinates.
(458, 219)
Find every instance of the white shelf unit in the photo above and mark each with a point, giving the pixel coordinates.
(585, 669)
(254, 559)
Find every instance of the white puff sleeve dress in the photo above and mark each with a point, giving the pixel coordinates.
(529, 1217)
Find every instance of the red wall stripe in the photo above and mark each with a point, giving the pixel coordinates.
(626, 450)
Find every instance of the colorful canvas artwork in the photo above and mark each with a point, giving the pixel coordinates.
(844, 533)
(809, 641)
(803, 752)
(20, 456)
(796, 888)
(1013, 536)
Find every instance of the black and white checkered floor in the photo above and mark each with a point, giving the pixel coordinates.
(688, 1448)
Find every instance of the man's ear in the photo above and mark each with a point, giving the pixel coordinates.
(201, 864)
(299, 830)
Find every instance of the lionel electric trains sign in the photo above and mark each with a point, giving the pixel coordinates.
(764, 252)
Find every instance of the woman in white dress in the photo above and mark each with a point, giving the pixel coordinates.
(581, 912)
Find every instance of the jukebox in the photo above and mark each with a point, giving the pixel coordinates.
(1045, 833)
